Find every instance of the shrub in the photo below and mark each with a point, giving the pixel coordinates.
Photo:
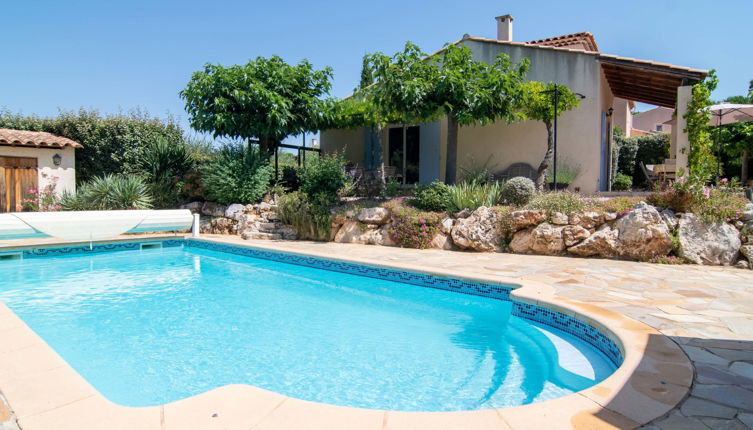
(311, 221)
(649, 149)
(718, 205)
(567, 172)
(473, 196)
(44, 200)
(109, 192)
(564, 202)
(517, 191)
(238, 174)
(413, 229)
(323, 179)
(431, 197)
(164, 165)
(392, 188)
(622, 182)
(290, 179)
(616, 204)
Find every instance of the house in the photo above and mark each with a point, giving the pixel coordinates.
(656, 120)
(29, 160)
(609, 83)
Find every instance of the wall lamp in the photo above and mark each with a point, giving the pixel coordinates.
(57, 159)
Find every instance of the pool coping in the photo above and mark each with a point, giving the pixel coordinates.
(46, 392)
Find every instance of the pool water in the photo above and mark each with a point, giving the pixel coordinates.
(151, 326)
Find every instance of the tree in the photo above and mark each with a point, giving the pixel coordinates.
(266, 99)
(738, 138)
(414, 88)
(539, 105)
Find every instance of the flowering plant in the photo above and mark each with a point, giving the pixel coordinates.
(413, 229)
(44, 200)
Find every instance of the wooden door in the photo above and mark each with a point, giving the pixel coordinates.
(17, 176)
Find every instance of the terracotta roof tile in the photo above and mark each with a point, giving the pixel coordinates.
(583, 40)
(34, 138)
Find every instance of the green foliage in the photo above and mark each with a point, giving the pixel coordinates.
(649, 149)
(472, 196)
(291, 178)
(109, 192)
(45, 199)
(266, 99)
(393, 188)
(310, 221)
(432, 197)
(615, 205)
(111, 144)
(622, 182)
(164, 166)
(413, 229)
(238, 174)
(701, 160)
(564, 202)
(667, 259)
(720, 205)
(517, 191)
(538, 104)
(323, 179)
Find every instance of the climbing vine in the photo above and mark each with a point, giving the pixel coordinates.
(701, 160)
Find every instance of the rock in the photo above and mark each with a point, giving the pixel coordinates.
(521, 241)
(234, 211)
(263, 206)
(670, 219)
(465, 213)
(747, 215)
(194, 207)
(288, 232)
(272, 216)
(385, 237)
(742, 264)
(350, 232)
(527, 218)
(446, 225)
(610, 216)
(739, 224)
(747, 252)
(587, 220)
(221, 225)
(713, 244)
(374, 215)
(480, 231)
(603, 243)
(547, 239)
(213, 209)
(643, 233)
(559, 218)
(442, 241)
(573, 234)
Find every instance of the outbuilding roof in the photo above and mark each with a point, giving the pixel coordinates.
(583, 40)
(38, 139)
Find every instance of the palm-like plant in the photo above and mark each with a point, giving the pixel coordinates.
(164, 164)
(109, 192)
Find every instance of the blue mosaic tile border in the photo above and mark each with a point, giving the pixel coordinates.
(571, 325)
(420, 279)
(549, 317)
(96, 248)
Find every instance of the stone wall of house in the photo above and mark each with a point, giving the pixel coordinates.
(641, 234)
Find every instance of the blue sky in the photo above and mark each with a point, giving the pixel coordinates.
(113, 56)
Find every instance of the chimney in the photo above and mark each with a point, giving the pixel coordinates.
(504, 28)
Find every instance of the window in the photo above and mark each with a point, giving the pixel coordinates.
(659, 127)
(403, 152)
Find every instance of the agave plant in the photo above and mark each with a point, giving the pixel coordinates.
(164, 165)
(472, 195)
(109, 192)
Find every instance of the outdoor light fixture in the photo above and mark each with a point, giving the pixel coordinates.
(556, 93)
(610, 111)
(57, 159)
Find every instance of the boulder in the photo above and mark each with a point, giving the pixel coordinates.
(350, 232)
(610, 216)
(747, 252)
(465, 213)
(446, 225)
(234, 211)
(442, 241)
(263, 206)
(670, 219)
(572, 234)
(603, 243)
(221, 225)
(374, 215)
(588, 220)
(643, 233)
(526, 218)
(384, 236)
(480, 231)
(194, 207)
(713, 244)
(213, 209)
(559, 218)
(521, 241)
(547, 239)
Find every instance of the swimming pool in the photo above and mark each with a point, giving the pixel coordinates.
(149, 326)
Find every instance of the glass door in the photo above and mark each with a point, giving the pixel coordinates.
(403, 153)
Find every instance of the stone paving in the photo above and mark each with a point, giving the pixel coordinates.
(707, 310)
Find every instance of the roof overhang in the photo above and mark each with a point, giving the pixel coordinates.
(35, 139)
(646, 81)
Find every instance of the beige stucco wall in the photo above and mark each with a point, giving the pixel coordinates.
(66, 171)
(579, 130)
(649, 119)
(622, 117)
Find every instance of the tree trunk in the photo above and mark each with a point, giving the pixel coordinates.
(267, 144)
(744, 167)
(451, 164)
(541, 173)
